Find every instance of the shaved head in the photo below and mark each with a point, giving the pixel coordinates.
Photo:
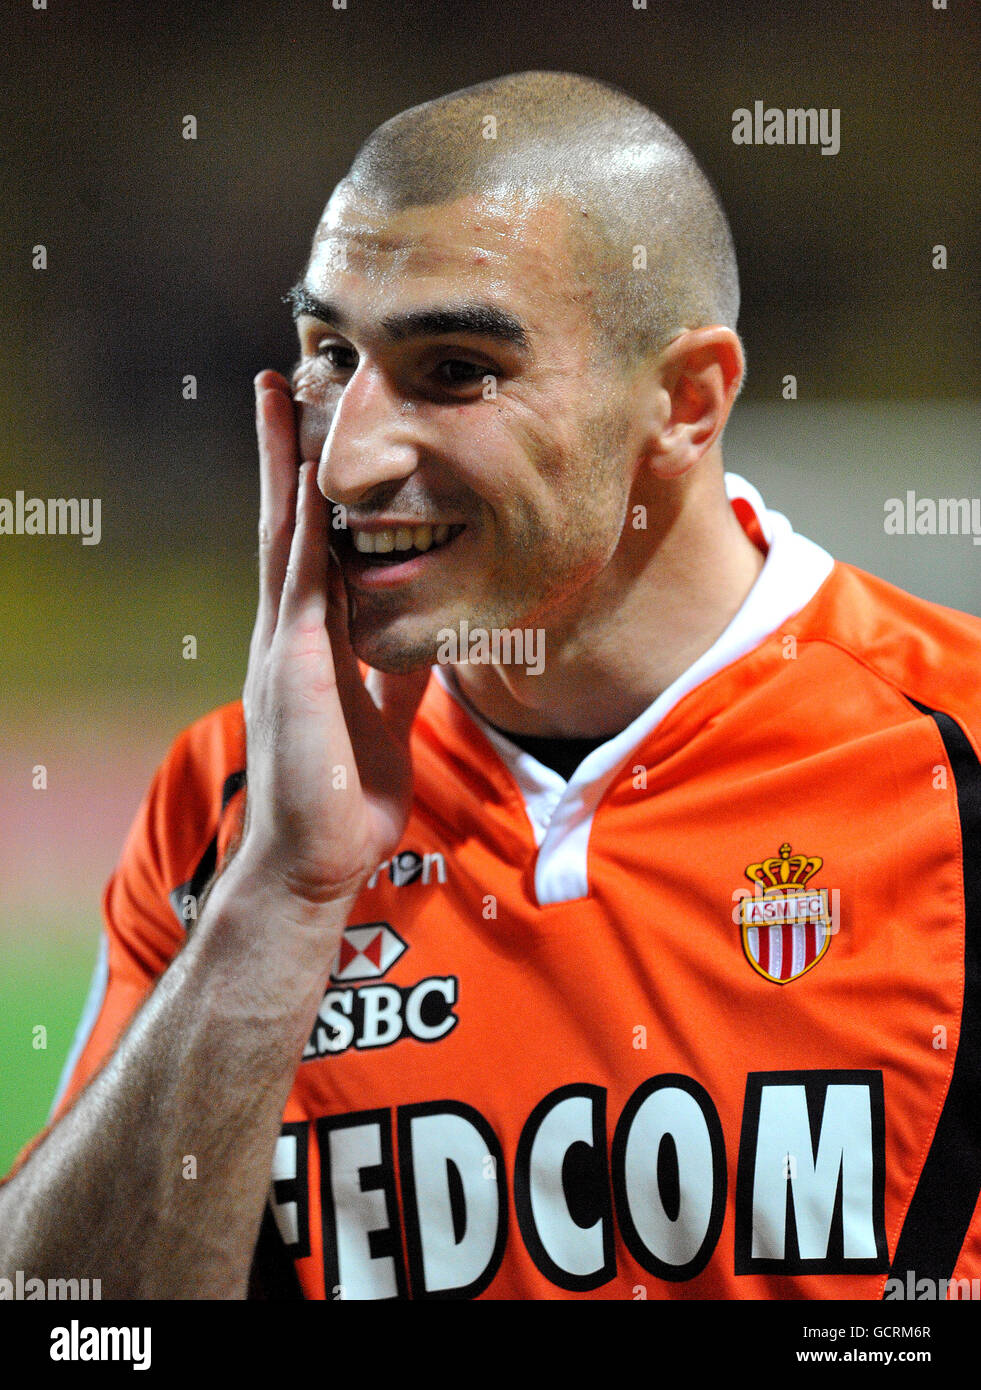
(649, 240)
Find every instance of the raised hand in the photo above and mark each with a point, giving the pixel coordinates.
(329, 775)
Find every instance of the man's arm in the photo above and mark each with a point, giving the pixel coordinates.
(203, 1073)
(205, 1069)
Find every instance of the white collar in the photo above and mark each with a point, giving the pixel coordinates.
(794, 570)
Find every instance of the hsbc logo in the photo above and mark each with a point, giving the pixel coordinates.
(367, 952)
(372, 1015)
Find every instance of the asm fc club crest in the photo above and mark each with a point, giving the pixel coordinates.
(786, 924)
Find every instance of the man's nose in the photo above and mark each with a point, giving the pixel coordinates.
(371, 439)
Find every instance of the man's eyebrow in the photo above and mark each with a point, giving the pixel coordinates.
(485, 320)
(303, 302)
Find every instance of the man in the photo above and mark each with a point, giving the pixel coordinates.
(646, 969)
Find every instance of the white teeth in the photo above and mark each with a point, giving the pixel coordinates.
(399, 538)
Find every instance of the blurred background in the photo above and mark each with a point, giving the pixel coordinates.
(168, 257)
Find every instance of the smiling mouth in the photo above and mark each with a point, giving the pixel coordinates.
(394, 545)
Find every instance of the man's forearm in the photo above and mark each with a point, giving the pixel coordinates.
(154, 1181)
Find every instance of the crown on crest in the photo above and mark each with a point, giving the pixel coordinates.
(784, 870)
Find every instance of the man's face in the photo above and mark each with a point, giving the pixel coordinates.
(451, 378)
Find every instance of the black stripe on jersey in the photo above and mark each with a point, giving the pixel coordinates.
(947, 1192)
(234, 782)
(202, 875)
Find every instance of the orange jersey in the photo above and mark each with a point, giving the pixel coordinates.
(703, 1022)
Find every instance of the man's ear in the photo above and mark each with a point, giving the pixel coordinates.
(694, 383)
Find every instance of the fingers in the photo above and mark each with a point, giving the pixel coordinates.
(278, 465)
(303, 604)
(349, 683)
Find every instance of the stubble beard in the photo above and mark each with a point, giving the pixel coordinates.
(533, 584)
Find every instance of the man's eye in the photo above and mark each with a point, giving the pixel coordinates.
(342, 359)
(457, 372)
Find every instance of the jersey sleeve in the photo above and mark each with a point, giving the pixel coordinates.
(189, 818)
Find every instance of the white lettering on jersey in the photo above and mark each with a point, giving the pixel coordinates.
(843, 1157)
(429, 1032)
(573, 1248)
(452, 1258)
(334, 1012)
(372, 1015)
(359, 1212)
(382, 1016)
(284, 1170)
(671, 1116)
(809, 1195)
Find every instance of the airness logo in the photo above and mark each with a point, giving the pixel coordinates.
(408, 867)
